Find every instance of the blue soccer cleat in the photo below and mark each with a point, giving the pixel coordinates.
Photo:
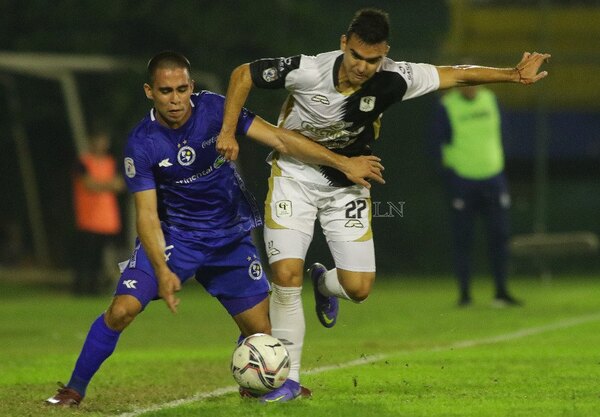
(290, 390)
(326, 307)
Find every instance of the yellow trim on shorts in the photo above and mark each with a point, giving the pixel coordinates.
(369, 233)
(377, 128)
(275, 172)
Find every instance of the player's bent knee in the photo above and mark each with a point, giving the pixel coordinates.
(359, 289)
(359, 295)
(288, 273)
(122, 312)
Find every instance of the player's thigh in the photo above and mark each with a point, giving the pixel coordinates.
(290, 213)
(345, 214)
(235, 276)
(290, 205)
(345, 217)
(137, 274)
(355, 263)
(255, 319)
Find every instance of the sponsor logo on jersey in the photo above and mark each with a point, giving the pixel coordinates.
(320, 99)
(129, 167)
(406, 69)
(333, 136)
(255, 270)
(270, 74)
(283, 208)
(186, 156)
(219, 161)
(209, 142)
(217, 164)
(165, 163)
(367, 103)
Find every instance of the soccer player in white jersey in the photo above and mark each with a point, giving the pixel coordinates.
(336, 98)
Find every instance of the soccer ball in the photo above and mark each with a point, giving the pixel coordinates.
(260, 363)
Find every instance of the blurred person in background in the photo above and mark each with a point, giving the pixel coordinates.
(337, 99)
(467, 135)
(96, 183)
(194, 215)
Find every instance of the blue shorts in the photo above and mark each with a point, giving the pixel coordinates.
(229, 268)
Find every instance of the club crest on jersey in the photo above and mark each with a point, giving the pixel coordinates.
(186, 156)
(367, 103)
(129, 167)
(270, 74)
(255, 270)
(283, 208)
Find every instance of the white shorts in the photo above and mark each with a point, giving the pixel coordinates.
(344, 213)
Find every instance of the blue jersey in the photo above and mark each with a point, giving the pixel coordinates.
(197, 189)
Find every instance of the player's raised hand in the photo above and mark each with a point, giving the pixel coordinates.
(168, 285)
(529, 66)
(227, 146)
(360, 168)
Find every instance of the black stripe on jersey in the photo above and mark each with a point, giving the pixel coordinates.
(271, 72)
(381, 91)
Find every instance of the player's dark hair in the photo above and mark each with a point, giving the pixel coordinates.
(370, 25)
(167, 59)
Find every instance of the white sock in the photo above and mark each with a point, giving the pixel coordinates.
(287, 323)
(329, 285)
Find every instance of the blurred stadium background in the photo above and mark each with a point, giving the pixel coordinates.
(67, 64)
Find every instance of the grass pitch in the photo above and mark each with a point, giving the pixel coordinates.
(407, 351)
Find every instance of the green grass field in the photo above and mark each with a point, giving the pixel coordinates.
(407, 351)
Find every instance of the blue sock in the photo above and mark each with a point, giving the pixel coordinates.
(99, 345)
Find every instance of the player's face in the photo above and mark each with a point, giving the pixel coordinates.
(171, 91)
(361, 60)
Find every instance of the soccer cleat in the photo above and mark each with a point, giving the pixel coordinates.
(326, 307)
(66, 397)
(290, 390)
(506, 300)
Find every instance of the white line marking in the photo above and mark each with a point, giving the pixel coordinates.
(463, 344)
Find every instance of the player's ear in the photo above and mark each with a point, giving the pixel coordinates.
(192, 85)
(148, 91)
(343, 41)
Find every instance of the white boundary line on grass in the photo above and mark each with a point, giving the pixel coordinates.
(463, 344)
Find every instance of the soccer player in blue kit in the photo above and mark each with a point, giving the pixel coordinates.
(194, 215)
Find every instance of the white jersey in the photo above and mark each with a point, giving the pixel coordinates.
(345, 123)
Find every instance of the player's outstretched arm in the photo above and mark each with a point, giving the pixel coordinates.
(240, 84)
(153, 241)
(525, 72)
(287, 142)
